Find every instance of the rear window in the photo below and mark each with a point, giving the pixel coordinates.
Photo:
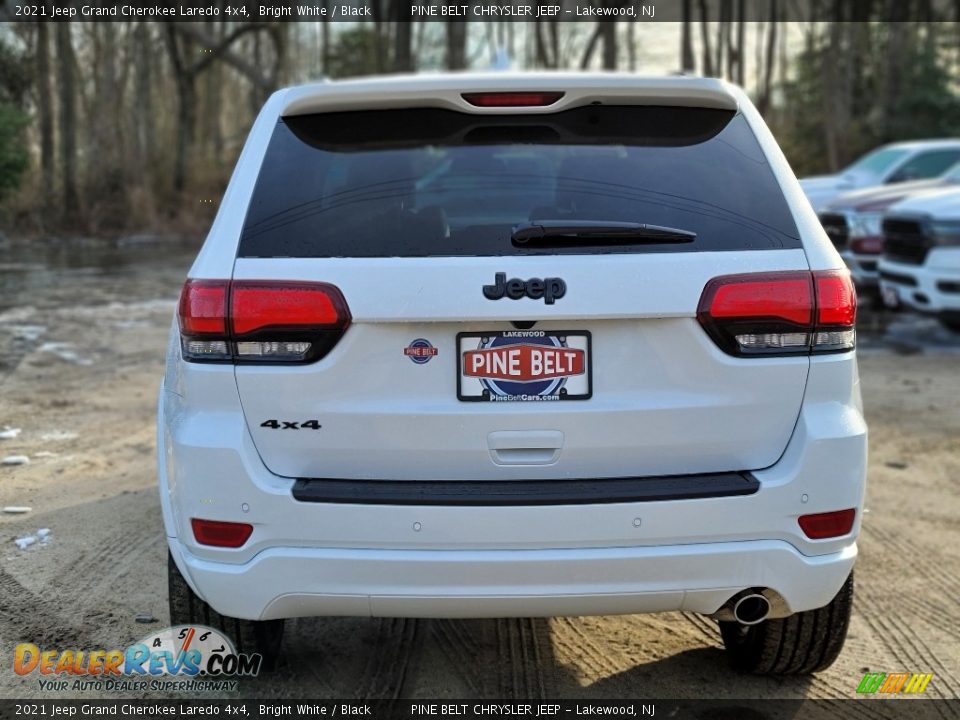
(434, 182)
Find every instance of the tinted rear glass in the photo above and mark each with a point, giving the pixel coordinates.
(433, 182)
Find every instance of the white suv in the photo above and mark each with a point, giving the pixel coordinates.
(516, 345)
(920, 265)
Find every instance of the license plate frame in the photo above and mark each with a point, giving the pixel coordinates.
(550, 389)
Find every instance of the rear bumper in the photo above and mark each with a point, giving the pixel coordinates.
(933, 287)
(343, 558)
(296, 582)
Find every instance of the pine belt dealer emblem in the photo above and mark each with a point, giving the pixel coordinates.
(420, 351)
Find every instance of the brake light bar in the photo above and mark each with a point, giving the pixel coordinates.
(512, 99)
(258, 321)
(780, 313)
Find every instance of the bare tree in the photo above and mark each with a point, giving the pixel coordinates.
(403, 39)
(608, 31)
(456, 45)
(687, 63)
(741, 51)
(769, 62)
(705, 37)
(67, 91)
(45, 112)
(182, 41)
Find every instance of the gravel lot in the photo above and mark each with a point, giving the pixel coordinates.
(82, 334)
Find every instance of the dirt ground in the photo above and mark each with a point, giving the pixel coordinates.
(81, 348)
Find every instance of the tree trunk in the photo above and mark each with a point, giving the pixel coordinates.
(741, 43)
(608, 29)
(555, 42)
(769, 65)
(457, 45)
(543, 59)
(67, 90)
(143, 92)
(183, 78)
(687, 63)
(591, 46)
(381, 34)
(723, 46)
(325, 67)
(705, 38)
(45, 111)
(402, 53)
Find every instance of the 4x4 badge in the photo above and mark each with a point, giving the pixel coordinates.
(550, 289)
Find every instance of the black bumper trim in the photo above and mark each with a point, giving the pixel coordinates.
(899, 278)
(524, 492)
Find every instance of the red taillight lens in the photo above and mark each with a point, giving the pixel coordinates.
(870, 245)
(759, 314)
(259, 306)
(836, 299)
(512, 99)
(836, 311)
(220, 534)
(780, 313)
(781, 296)
(260, 321)
(203, 307)
(828, 524)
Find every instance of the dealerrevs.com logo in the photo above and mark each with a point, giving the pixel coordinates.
(184, 657)
(894, 683)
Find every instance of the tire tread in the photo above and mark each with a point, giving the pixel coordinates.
(803, 643)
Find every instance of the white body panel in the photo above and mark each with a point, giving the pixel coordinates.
(667, 401)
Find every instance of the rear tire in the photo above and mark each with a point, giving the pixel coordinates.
(805, 642)
(249, 636)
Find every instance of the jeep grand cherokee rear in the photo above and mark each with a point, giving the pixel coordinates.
(529, 345)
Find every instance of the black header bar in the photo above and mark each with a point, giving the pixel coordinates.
(642, 11)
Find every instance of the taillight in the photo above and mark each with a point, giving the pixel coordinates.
(828, 524)
(512, 99)
(221, 534)
(836, 311)
(257, 321)
(780, 313)
(203, 320)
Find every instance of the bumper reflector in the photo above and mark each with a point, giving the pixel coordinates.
(220, 534)
(828, 524)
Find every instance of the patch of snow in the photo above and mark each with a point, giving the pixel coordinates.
(65, 351)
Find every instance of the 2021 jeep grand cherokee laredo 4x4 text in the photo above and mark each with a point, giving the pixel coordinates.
(516, 345)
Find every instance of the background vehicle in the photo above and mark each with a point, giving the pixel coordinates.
(895, 163)
(853, 222)
(920, 266)
(333, 441)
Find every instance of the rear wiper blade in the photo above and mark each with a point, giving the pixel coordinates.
(595, 232)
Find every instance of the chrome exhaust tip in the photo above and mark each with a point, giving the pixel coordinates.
(751, 609)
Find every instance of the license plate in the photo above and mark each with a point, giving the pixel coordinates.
(891, 298)
(524, 366)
